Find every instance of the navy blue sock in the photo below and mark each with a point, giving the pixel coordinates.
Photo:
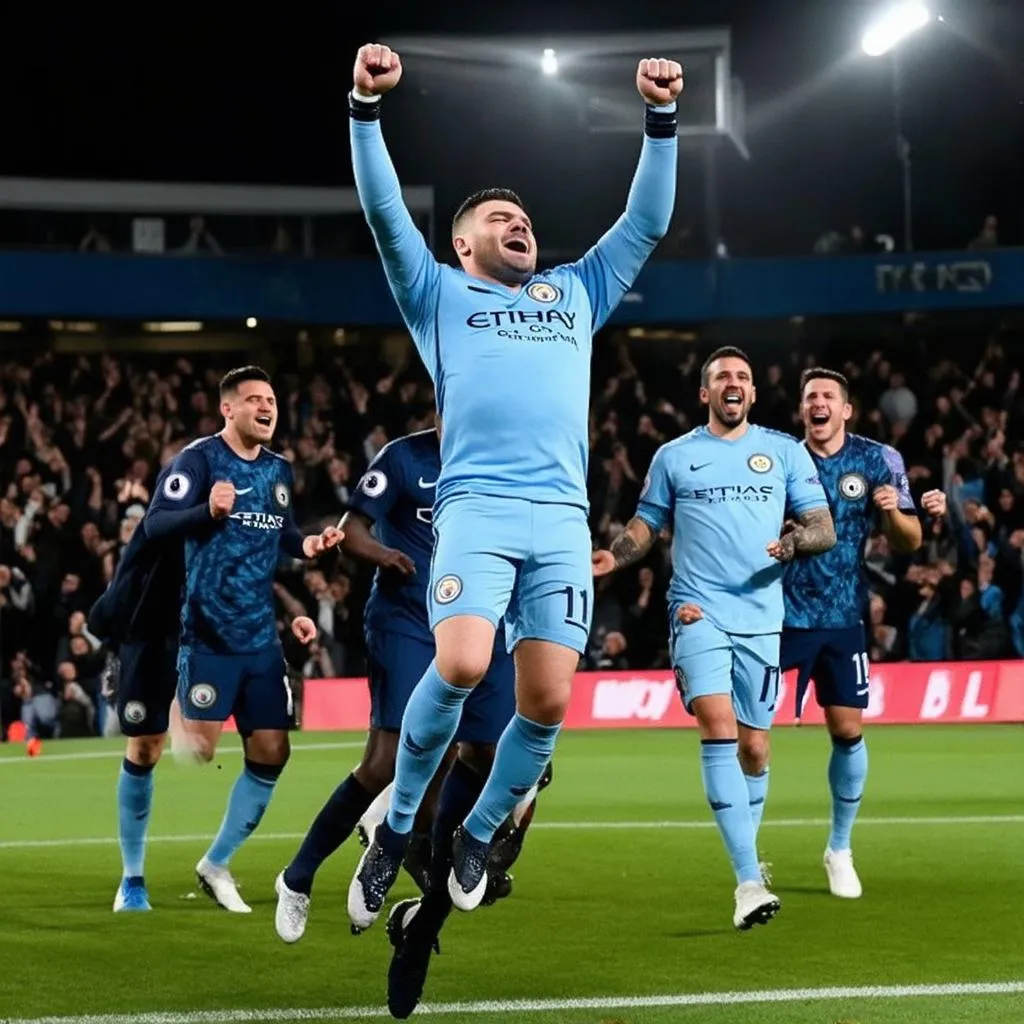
(726, 789)
(249, 798)
(331, 827)
(429, 725)
(461, 789)
(134, 800)
(523, 753)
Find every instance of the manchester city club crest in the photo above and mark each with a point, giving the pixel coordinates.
(134, 712)
(541, 291)
(448, 589)
(760, 463)
(853, 486)
(202, 695)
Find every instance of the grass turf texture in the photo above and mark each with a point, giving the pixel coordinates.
(598, 911)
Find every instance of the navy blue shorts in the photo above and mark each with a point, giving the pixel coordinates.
(396, 664)
(147, 680)
(252, 687)
(835, 659)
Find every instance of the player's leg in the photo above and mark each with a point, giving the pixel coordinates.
(471, 581)
(842, 688)
(395, 664)
(703, 660)
(263, 712)
(548, 621)
(756, 676)
(145, 688)
(201, 708)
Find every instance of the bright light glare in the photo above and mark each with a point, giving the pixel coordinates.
(892, 27)
(549, 62)
(250, 322)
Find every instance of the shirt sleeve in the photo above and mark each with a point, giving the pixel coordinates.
(803, 487)
(897, 472)
(412, 272)
(291, 536)
(181, 503)
(378, 490)
(657, 499)
(610, 267)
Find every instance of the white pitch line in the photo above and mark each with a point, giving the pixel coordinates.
(524, 1006)
(544, 826)
(99, 755)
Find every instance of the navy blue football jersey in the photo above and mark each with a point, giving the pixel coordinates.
(142, 603)
(396, 494)
(829, 591)
(229, 563)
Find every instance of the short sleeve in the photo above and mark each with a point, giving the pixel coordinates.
(379, 487)
(803, 486)
(657, 499)
(897, 472)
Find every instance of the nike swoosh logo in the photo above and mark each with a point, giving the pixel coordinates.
(693, 468)
(861, 693)
(244, 490)
(427, 483)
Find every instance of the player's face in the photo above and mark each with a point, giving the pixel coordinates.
(730, 391)
(252, 410)
(824, 410)
(498, 238)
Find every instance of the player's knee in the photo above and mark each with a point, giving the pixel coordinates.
(754, 751)
(145, 750)
(269, 747)
(463, 666)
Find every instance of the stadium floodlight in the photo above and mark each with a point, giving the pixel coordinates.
(893, 26)
(549, 62)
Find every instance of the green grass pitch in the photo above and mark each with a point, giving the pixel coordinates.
(623, 896)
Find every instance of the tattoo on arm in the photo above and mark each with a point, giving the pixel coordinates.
(633, 543)
(815, 534)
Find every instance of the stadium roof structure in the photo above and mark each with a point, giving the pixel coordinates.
(595, 70)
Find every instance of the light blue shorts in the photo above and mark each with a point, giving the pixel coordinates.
(524, 560)
(709, 661)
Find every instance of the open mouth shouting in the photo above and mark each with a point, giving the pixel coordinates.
(265, 420)
(819, 419)
(733, 400)
(517, 244)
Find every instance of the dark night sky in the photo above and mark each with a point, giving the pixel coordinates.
(178, 93)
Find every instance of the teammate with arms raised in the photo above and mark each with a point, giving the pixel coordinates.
(229, 497)
(866, 485)
(509, 353)
(725, 489)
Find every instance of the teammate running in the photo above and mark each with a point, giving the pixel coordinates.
(725, 489)
(229, 497)
(866, 486)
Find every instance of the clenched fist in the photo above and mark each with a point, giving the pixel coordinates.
(316, 544)
(659, 81)
(377, 70)
(222, 499)
(304, 629)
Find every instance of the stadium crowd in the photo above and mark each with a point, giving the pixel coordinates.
(82, 439)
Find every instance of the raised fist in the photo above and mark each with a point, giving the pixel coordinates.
(377, 70)
(659, 81)
(222, 499)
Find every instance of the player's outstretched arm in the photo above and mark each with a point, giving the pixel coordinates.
(360, 543)
(411, 269)
(813, 533)
(609, 269)
(628, 548)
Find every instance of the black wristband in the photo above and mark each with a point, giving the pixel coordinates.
(659, 124)
(363, 110)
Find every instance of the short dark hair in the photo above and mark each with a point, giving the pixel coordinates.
(233, 378)
(725, 352)
(821, 373)
(486, 195)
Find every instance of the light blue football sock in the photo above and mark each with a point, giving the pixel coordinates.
(247, 803)
(847, 772)
(726, 791)
(134, 800)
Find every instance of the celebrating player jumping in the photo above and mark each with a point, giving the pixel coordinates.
(866, 485)
(725, 488)
(509, 352)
